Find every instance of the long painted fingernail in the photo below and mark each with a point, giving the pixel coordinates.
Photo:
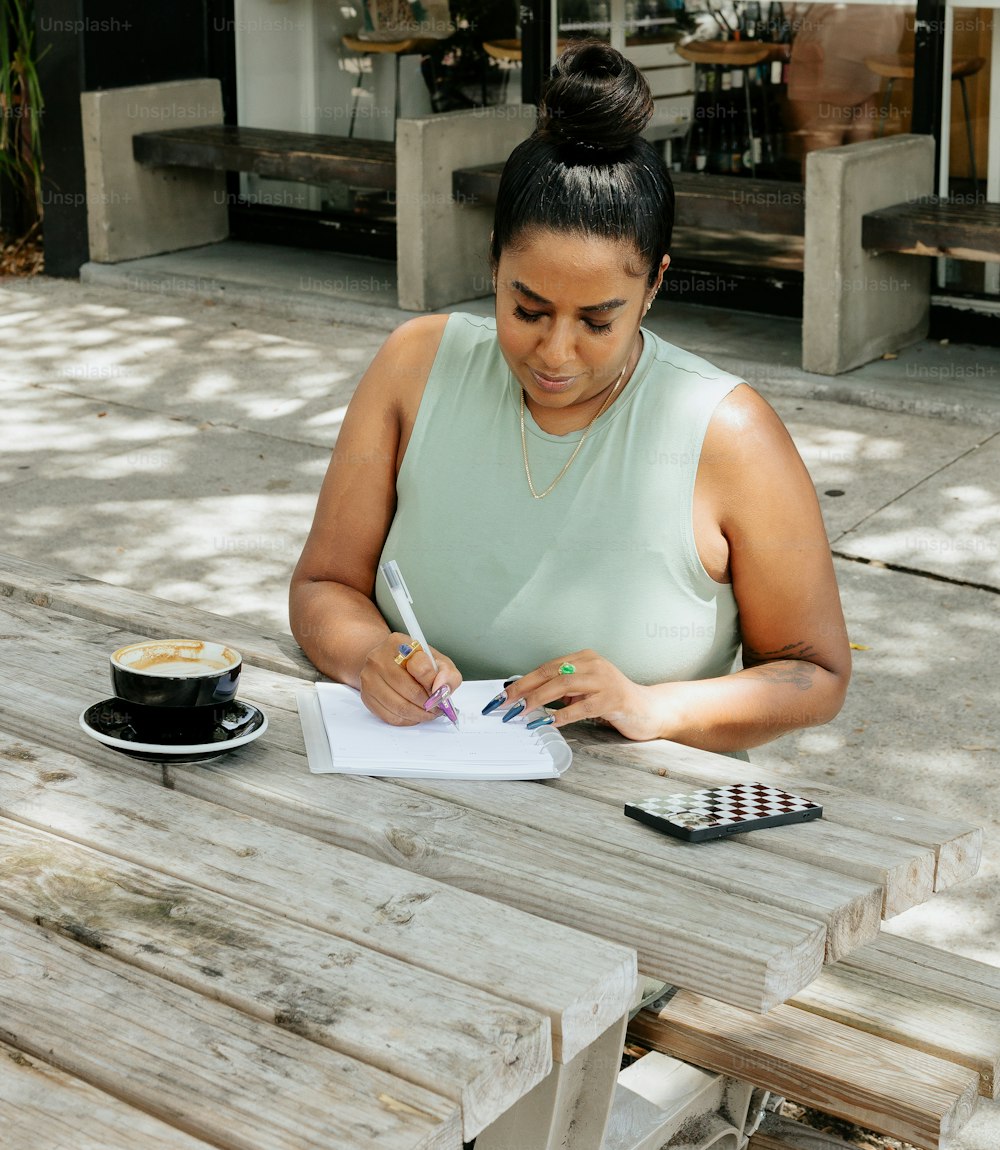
(435, 700)
(514, 711)
(539, 722)
(512, 679)
(495, 702)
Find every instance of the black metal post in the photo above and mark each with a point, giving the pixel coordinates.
(536, 47)
(59, 40)
(929, 71)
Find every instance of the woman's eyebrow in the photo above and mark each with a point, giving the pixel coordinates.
(608, 305)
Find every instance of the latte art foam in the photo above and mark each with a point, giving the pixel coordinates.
(175, 666)
(187, 658)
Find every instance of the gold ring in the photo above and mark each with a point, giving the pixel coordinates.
(567, 669)
(407, 651)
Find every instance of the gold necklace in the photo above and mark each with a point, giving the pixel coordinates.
(576, 450)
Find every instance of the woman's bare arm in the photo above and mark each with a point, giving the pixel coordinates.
(331, 599)
(796, 655)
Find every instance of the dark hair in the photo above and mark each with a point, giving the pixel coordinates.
(586, 168)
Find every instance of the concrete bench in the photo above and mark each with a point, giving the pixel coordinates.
(156, 157)
(869, 212)
(898, 1038)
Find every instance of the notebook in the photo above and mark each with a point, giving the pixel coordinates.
(343, 737)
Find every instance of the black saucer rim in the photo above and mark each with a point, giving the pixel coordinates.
(166, 752)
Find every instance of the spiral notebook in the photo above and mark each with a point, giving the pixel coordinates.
(343, 737)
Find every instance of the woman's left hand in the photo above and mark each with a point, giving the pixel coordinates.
(590, 687)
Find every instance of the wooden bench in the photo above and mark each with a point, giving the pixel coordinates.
(931, 226)
(898, 1038)
(305, 157)
(871, 209)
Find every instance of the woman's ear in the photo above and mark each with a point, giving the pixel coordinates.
(664, 264)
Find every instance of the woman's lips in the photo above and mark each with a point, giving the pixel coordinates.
(552, 383)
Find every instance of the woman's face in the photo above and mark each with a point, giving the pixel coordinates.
(568, 310)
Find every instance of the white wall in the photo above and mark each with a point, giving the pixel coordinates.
(292, 73)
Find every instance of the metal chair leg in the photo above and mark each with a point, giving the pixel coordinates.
(357, 90)
(746, 88)
(968, 133)
(397, 103)
(884, 112)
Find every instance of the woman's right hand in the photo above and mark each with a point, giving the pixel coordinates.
(397, 693)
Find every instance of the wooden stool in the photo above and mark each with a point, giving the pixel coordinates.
(410, 46)
(508, 53)
(743, 54)
(900, 67)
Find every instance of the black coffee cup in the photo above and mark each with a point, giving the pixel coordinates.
(176, 673)
(175, 689)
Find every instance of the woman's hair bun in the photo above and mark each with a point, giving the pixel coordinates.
(595, 100)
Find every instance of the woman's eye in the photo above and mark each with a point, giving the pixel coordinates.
(599, 328)
(532, 316)
(527, 316)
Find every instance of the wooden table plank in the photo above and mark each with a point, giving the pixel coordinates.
(198, 1064)
(921, 965)
(43, 1108)
(758, 952)
(919, 997)
(383, 1012)
(902, 871)
(145, 615)
(849, 908)
(112, 809)
(819, 1063)
(957, 845)
(861, 858)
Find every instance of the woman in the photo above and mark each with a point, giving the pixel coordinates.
(562, 489)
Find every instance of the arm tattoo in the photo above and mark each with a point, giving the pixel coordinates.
(788, 664)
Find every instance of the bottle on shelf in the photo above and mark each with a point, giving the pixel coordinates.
(756, 138)
(736, 149)
(719, 153)
(700, 149)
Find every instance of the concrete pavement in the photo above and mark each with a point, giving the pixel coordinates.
(166, 427)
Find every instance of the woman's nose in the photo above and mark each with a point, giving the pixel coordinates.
(556, 344)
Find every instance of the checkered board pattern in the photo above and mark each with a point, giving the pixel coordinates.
(728, 810)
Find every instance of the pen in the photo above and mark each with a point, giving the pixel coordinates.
(402, 598)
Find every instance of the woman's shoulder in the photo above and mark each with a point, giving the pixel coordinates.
(750, 453)
(684, 364)
(419, 340)
(399, 373)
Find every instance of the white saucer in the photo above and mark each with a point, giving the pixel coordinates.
(108, 723)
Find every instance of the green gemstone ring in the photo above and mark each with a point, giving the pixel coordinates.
(567, 669)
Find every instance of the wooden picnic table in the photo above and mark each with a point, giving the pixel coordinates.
(238, 953)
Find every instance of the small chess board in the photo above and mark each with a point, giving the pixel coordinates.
(709, 814)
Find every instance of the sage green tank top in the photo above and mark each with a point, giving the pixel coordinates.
(501, 582)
